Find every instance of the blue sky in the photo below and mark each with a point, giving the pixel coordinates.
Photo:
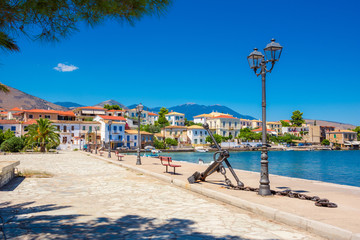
(197, 53)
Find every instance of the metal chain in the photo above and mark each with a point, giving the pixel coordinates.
(320, 202)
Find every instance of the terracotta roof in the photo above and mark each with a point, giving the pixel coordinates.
(75, 122)
(9, 122)
(29, 122)
(260, 130)
(136, 132)
(288, 121)
(195, 127)
(116, 111)
(158, 135)
(62, 113)
(152, 114)
(89, 107)
(15, 109)
(3, 113)
(225, 116)
(169, 127)
(114, 118)
(342, 131)
(174, 113)
(202, 115)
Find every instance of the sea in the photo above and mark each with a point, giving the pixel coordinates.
(340, 167)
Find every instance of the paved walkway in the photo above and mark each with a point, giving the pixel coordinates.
(88, 198)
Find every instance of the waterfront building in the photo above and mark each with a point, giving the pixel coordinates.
(245, 123)
(269, 131)
(115, 134)
(276, 126)
(116, 113)
(344, 138)
(202, 118)
(13, 125)
(88, 113)
(175, 118)
(152, 118)
(296, 131)
(179, 133)
(317, 133)
(197, 135)
(131, 138)
(256, 123)
(133, 114)
(224, 125)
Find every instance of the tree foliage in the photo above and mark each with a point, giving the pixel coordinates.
(13, 144)
(218, 139)
(247, 135)
(171, 142)
(162, 121)
(190, 123)
(43, 134)
(284, 124)
(325, 142)
(357, 129)
(159, 144)
(150, 128)
(6, 135)
(112, 107)
(297, 119)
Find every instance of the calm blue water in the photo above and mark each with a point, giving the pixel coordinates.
(341, 167)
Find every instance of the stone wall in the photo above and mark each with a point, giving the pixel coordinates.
(7, 171)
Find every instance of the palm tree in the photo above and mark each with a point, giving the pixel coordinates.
(42, 133)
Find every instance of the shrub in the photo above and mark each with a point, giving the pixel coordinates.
(171, 141)
(325, 142)
(158, 144)
(14, 144)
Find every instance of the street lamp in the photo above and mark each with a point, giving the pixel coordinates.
(257, 61)
(139, 109)
(109, 122)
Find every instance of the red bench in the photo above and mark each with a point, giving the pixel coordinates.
(119, 155)
(167, 162)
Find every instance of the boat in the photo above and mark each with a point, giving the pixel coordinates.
(155, 151)
(201, 149)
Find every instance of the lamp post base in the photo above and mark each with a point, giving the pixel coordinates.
(138, 161)
(264, 190)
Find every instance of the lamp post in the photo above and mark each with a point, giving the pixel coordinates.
(257, 61)
(109, 122)
(139, 109)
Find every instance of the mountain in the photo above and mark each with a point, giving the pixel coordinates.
(17, 98)
(69, 104)
(111, 102)
(191, 109)
(135, 105)
(343, 126)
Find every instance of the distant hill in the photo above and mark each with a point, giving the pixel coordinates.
(339, 125)
(69, 104)
(191, 109)
(111, 102)
(17, 98)
(135, 105)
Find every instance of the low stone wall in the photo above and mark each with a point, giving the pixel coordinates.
(7, 171)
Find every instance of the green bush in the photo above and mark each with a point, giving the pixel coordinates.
(159, 145)
(325, 142)
(14, 144)
(171, 142)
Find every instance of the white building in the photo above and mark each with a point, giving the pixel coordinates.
(224, 125)
(197, 135)
(175, 118)
(296, 131)
(152, 118)
(115, 134)
(202, 118)
(245, 123)
(13, 125)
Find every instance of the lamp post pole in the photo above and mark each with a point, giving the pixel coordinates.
(139, 109)
(109, 154)
(257, 61)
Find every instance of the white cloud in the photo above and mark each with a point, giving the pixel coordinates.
(65, 68)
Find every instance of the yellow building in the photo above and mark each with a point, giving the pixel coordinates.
(345, 138)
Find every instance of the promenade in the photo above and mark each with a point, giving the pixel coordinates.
(91, 198)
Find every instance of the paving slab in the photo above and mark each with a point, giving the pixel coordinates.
(91, 198)
(340, 223)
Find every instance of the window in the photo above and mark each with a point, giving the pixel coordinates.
(223, 124)
(235, 124)
(135, 137)
(64, 128)
(90, 128)
(224, 133)
(13, 128)
(205, 132)
(72, 128)
(47, 116)
(120, 137)
(229, 124)
(195, 141)
(83, 128)
(201, 140)
(115, 128)
(132, 114)
(120, 128)
(39, 116)
(134, 144)
(1, 128)
(195, 132)
(58, 127)
(31, 116)
(110, 137)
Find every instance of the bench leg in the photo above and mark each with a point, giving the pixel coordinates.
(166, 168)
(174, 170)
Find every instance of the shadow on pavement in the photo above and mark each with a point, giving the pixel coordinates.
(13, 184)
(24, 222)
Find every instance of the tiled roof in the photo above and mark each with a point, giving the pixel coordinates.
(170, 127)
(116, 111)
(195, 127)
(9, 122)
(29, 122)
(136, 132)
(15, 109)
(114, 118)
(288, 121)
(152, 114)
(225, 116)
(174, 113)
(74, 122)
(260, 130)
(342, 131)
(62, 113)
(202, 115)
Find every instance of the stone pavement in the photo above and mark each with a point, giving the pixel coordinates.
(88, 198)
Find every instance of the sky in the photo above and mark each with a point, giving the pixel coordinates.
(197, 52)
